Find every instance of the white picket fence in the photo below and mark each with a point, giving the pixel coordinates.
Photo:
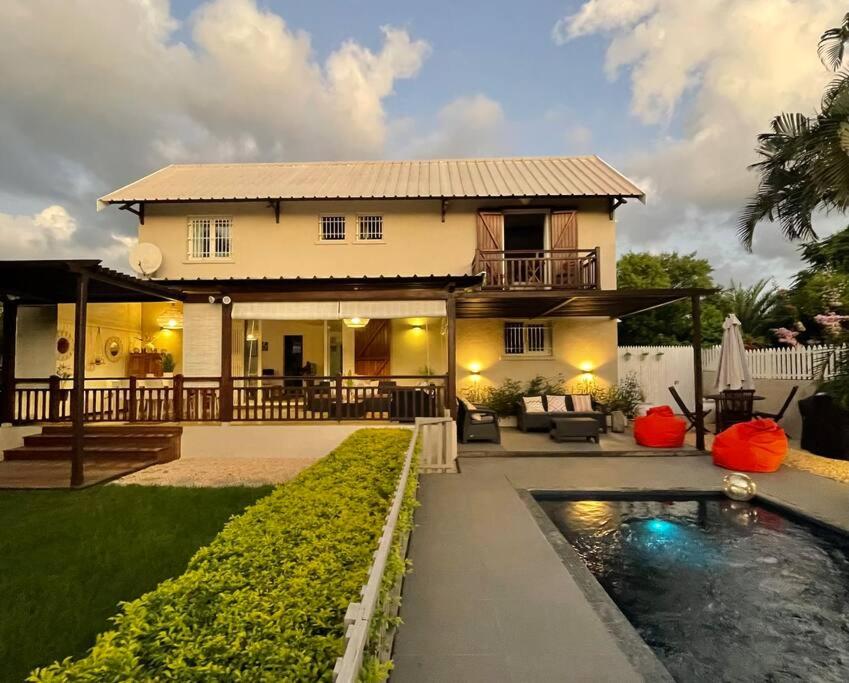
(659, 367)
(799, 363)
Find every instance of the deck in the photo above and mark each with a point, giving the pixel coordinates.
(56, 474)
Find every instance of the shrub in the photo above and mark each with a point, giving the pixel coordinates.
(504, 398)
(267, 598)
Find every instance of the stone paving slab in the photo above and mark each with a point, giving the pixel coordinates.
(489, 598)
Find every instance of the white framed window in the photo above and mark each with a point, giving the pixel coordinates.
(527, 339)
(210, 237)
(369, 228)
(331, 228)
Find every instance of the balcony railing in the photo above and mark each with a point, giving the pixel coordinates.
(397, 398)
(538, 269)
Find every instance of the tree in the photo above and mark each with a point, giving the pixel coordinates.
(760, 308)
(670, 324)
(804, 167)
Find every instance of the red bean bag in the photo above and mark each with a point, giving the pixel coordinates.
(755, 446)
(660, 428)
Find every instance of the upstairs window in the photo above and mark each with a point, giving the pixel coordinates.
(332, 229)
(210, 237)
(369, 228)
(527, 339)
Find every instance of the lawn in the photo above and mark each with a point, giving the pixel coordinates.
(68, 557)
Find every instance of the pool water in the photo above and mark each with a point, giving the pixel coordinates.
(721, 590)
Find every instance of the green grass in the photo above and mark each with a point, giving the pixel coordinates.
(68, 557)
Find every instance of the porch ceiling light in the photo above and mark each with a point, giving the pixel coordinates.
(355, 322)
(171, 318)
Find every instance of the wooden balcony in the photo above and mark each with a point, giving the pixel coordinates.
(538, 269)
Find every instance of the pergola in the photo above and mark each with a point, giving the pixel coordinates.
(78, 282)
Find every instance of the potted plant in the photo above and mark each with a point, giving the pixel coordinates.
(168, 365)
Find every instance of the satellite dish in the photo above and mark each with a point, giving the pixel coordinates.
(145, 258)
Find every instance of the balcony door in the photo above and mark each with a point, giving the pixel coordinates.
(525, 247)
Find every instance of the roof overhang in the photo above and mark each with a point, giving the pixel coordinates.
(324, 288)
(55, 281)
(616, 303)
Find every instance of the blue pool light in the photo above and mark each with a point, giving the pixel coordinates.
(662, 528)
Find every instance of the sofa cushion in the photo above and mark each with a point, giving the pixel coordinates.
(582, 403)
(556, 404)
(533, 404)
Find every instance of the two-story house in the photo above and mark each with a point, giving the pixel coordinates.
(371, 268)
(327, 291)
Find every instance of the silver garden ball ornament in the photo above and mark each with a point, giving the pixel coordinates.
(738, 486)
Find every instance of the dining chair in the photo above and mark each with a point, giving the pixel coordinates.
(686, 412)
(780, 414)
(734, 406)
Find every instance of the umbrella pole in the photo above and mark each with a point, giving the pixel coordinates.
(696, 307)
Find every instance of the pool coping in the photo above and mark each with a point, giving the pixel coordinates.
(631, 643)
(640, 655)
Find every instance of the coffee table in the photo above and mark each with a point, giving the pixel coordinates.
(563, 428)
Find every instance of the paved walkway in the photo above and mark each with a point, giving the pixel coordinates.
(490, 600)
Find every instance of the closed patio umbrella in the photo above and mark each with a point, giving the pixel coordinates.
(733, 371)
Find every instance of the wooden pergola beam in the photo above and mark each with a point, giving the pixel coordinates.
(7, 380)
(78, 394)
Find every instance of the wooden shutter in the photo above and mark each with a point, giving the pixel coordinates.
(564, 230)
(565, 267)
(490, 238)
(371, 349)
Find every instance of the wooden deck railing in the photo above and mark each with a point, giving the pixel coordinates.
(538, 269)
(248, 399)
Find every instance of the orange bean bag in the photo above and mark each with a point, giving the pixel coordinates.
(755, 446)
(660, 428)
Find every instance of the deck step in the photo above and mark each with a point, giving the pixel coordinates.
(155, 453)
(143, 443)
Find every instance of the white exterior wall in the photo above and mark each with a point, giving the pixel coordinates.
(36, 342)
(202, 340)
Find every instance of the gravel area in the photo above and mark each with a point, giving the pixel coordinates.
(802, 460)
(242, 471)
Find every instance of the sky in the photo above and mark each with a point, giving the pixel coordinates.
(97, 93)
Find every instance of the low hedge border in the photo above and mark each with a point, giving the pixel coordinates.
(266, 599)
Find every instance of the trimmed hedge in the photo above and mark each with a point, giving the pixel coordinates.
(266, 599)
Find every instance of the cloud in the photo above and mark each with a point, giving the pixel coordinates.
(49, 234)
(467, 126)
(705, 79)
(103, 92)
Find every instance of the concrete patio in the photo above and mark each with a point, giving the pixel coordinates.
(489, 598)
(516, 443)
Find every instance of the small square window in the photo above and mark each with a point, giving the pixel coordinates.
(210, 237)
(369, 228)
(332, 229)
(527, 339)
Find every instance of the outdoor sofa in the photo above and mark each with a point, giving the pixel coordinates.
(532, 421)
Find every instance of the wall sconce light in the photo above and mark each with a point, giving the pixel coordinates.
(587, 367)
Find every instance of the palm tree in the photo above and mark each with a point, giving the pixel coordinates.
(756, 307)
(804, 165)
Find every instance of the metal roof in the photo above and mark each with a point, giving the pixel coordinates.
(584, 176)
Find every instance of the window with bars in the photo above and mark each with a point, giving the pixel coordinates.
(332, 229)
(210, 237)
(527, 339)
(369, 228)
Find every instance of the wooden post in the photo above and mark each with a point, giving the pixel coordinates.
(338, 401)
(451, 393)
(78, 395)
(134, 399)
(226, 399)
(697, 370)
(54, 402)
(178, 398)
(7, 379)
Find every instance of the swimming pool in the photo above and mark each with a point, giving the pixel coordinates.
(720, 590)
